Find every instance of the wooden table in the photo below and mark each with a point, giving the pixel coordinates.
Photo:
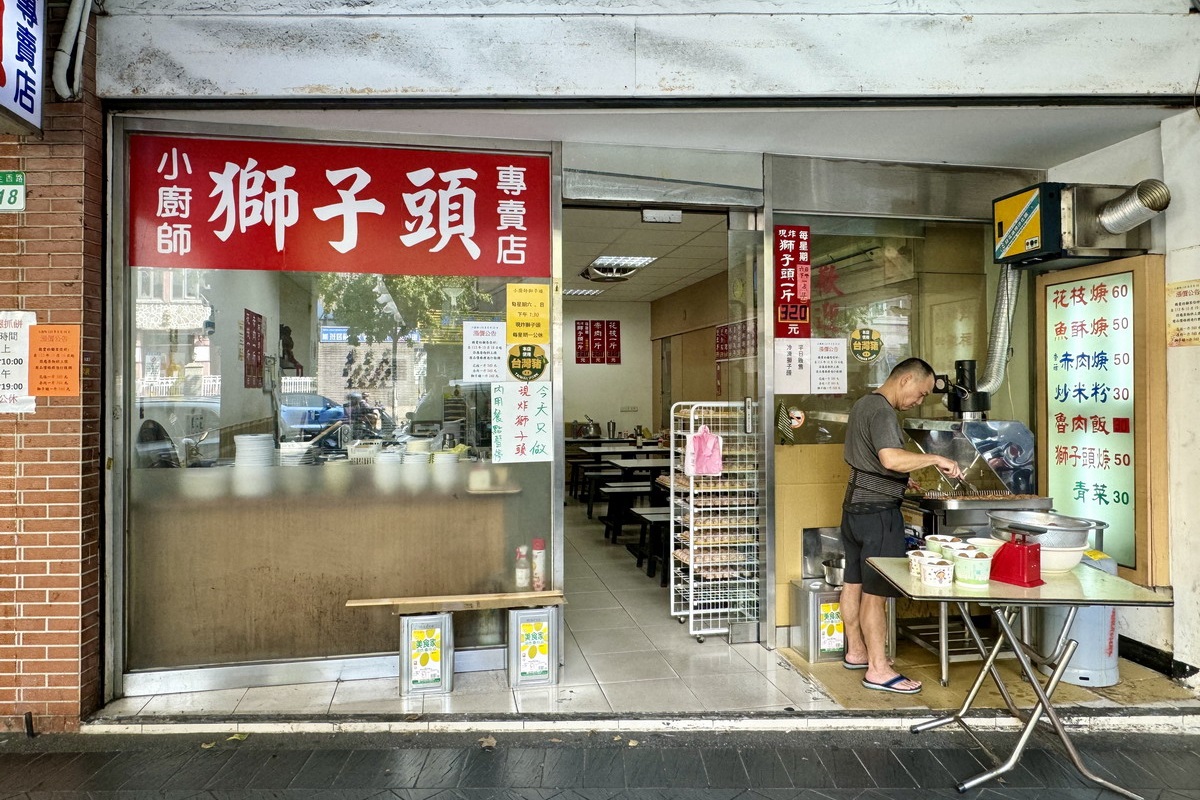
(1082, 586)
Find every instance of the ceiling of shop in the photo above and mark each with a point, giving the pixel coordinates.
(687, 252)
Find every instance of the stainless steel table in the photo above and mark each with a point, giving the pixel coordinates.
(1080, 587)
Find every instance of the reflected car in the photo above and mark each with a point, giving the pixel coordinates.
(302, 415)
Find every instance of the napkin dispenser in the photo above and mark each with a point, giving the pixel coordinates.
(1018, 562)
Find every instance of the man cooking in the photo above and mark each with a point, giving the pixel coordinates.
(871, 521)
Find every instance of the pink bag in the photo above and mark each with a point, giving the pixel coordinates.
(702, 453)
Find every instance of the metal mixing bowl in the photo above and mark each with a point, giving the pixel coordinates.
(834, 567)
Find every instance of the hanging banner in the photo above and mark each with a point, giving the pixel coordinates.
(597, 336)
(793, 282)
(208, 203)
(521, 422)
(612, 341)
(583, 341)
(1090, 384)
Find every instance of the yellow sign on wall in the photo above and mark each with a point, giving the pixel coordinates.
(1018, 223)
(528, 317)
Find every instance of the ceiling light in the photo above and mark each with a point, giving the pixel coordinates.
(606, 274)
(582, 292)
(623, 262)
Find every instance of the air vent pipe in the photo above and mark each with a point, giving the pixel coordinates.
(1139, 204)
(998, 341)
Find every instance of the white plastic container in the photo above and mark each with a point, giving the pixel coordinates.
(937, 572)
(972, 569)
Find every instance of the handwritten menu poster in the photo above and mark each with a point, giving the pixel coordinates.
(1090, 405)
(521, 422)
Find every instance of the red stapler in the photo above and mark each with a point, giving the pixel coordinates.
(1018, 562)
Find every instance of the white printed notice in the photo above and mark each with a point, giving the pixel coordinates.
(522, 422)
(793, 366)
(829, 366)
(483, 352)
(14, 362)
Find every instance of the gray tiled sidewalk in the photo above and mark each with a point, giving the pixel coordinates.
(594, 766)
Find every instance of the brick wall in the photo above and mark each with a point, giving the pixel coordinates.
(50, 460)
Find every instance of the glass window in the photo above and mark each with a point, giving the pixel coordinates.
(150, 284)
(901, 288)
(185, 284)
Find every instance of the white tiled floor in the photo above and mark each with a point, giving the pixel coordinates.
(624, 654)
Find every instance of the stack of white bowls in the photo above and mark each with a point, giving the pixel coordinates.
(295, 454)
(254, 450)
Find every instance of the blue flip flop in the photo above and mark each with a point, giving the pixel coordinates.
(852, 665)
(890, 686)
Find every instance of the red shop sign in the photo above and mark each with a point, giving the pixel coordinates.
(312, 207)
(793, 282)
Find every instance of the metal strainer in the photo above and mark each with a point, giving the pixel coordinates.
(1044, 528)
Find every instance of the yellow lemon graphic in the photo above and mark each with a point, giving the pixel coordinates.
(543, 649)
(533, 651)
(423, 660)
(538, 626)
(435, 656)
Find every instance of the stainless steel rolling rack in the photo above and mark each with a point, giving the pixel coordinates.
(716, 538)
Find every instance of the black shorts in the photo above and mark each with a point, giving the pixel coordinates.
(871, 535)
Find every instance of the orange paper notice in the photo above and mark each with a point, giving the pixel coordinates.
(54, 360)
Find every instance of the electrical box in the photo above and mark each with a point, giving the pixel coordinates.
(1056, 226)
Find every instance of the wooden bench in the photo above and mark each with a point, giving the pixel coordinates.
(402, 606)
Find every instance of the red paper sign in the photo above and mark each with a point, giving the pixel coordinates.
(583, 342)
(793, 282)
(314, 207)
(612, 344)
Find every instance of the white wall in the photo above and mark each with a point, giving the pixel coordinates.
(602, 390)
(1170, 154)
(1181, 154)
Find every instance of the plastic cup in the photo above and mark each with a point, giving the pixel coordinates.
(972, 568)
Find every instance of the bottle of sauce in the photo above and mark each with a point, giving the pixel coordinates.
(522, 572)
(538, 568)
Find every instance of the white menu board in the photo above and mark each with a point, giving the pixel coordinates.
(522, 427)
(14, 362)
(1090, 405)
(483, 352)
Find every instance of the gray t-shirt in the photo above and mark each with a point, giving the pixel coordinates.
(872, 427)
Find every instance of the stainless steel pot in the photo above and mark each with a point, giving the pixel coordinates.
(589, 430)
(834, 569)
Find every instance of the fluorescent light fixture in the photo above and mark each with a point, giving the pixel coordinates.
(622, 262)
(582, 292)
